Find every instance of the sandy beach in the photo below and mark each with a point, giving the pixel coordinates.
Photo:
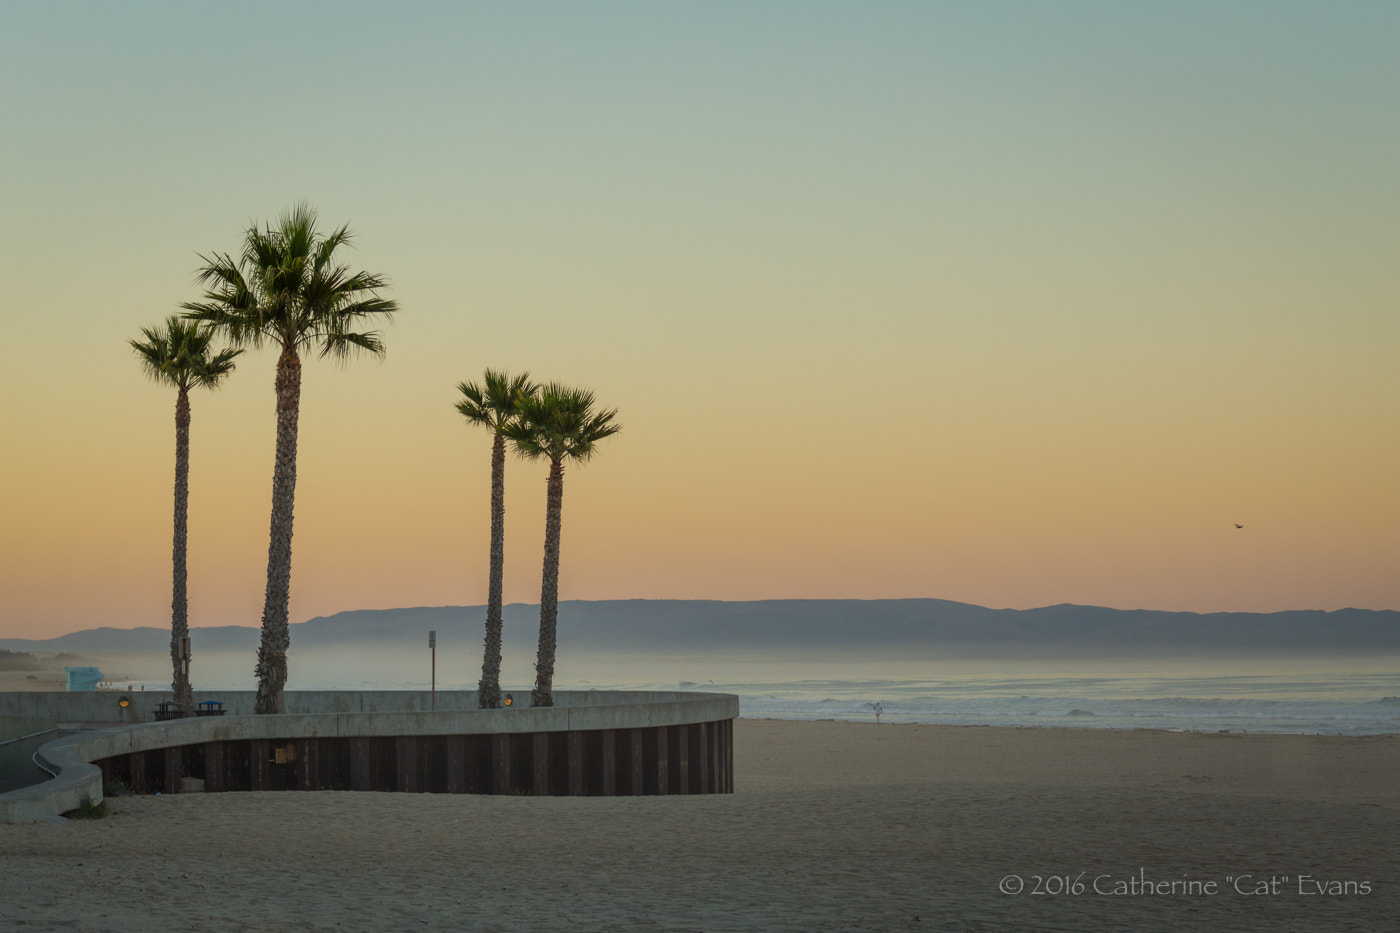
(118, 667)
(833, 826)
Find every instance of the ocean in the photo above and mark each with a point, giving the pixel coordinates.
(1337, 704)
(1346, 696)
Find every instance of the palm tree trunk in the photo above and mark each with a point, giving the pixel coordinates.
(543, 694)
(179, 599)
(272, 650)
(488, 693)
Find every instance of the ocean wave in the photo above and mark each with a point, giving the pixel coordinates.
(1196, 704)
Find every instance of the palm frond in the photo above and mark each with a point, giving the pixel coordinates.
(219, 268)
(330, 244)
(496, 400)
(217, 367)
(342, 346)
(528, 445)
(287, 288)
(558, 422)
(178, 354)
(296, 230)
(472, 405)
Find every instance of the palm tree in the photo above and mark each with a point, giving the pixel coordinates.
(493, 404)
(287, 289)
(558, 423)
(178, 356)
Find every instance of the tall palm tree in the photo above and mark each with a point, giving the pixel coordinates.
(289, 290)
(179, 356)
(557, 423)
(494, 404)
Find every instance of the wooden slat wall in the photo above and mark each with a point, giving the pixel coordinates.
(684, 759)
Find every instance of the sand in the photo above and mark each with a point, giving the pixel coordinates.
(833, 826)
(118, 667)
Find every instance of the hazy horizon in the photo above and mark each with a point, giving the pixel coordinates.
(458, 668)
(1009, 304)
(1354, 695)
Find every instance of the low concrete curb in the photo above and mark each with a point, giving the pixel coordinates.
(75, 779)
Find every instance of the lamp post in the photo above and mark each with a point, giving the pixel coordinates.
(432, 647)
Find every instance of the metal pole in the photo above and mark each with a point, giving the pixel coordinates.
(432, 646)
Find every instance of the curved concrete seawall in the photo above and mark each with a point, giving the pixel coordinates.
(594, 743)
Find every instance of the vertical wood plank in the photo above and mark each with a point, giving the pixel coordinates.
(716, 764)
(174, 760)
(136, 765)
(303, 764)
(361, 773)
(703, 744)
(663, 761)
(683, 759)
(406, 760)
(478, 750)
(259, 777)
(609, 740)
(215, 768)
(539, 761)
(575, 744)
(638, 765)
(456, 750)
(500, 763)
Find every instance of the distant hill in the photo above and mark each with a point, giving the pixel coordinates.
(797, 626)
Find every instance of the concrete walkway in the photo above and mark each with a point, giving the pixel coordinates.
(72, 777)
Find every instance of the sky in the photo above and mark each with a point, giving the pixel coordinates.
(1013, 304)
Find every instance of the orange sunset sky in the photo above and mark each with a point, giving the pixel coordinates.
(1007, 303)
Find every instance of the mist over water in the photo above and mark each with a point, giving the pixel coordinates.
(1337, 695)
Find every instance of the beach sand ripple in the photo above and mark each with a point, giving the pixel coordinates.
(834, 826)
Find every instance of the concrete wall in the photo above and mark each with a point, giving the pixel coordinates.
(337, 715)
(102, 705)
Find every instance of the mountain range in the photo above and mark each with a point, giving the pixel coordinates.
(795, 626)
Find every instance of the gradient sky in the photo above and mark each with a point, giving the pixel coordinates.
(1007, 303)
